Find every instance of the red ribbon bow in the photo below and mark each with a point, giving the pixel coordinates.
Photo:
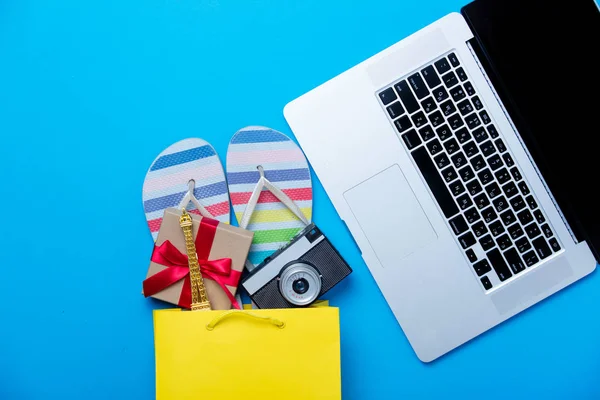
(168, 255)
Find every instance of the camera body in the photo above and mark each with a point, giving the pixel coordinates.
(297, 274)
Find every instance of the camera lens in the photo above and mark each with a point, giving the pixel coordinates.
(300, 286)
(300, 283)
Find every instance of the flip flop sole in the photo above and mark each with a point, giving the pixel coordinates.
(167, 182)
(286, 167)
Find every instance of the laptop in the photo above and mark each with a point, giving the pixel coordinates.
(463, 161)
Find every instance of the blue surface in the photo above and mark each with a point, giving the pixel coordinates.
(92, 91)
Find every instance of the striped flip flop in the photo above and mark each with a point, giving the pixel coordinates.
(286, 168)
(167, 183)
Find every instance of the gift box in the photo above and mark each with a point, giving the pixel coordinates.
(222, 250)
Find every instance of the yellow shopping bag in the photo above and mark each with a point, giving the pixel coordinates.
(281, 354)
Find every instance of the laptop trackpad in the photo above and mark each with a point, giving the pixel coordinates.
(390, 216)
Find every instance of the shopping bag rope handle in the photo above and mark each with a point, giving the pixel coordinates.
(274, 321)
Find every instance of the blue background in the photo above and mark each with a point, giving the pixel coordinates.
(92, 91)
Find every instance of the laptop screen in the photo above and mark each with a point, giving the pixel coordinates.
(541, 57)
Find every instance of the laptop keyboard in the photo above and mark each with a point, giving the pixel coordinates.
(470, 171)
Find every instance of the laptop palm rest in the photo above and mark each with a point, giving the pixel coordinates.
(386, 203)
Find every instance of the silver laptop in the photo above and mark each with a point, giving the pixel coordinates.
(450, 181)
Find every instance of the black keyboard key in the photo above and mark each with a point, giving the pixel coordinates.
(531, 202)
(473, 121)
(458, 224)
(469, 88)
(457, 188)
(462, 135)
(461, 74)
(457, 93)
(479, 228)
(435, 182)
(402, 124)
(426, 133)
(441, 161)
(478, 163)
(453, 60)
(440, 94)
(411, 139)
(492, 131)
(455, 121)
(493, 190)
(487, 242)
(428, 105)
(514, 261)
(517, 203)
(431, 77)
(465, 107)
(530, 258)
(471, 255)
(541, 247)
(408, 99)
(449, 174)
(547, 230)
(471, 148)
(489, 214)
(482, 267)
(444, 132)
(508, 217)
(488, 148)
(442, 65)
(524, 217)
(524, 189)
(477, 103)
(485, 281)
(464, 201)
(459, 160)
(502, 176)
(419, 119)
(485, 117)
(508, 160)
(480, 135)
(436, 118)
(387, 96)
(481, 201)
(474, 187)
(554, 244)
(448, 107)
(467, 240)
(466, 174)
(499, 264)
(500, 204)
(395, 110)
(418, 86)
(532, 230)
(451, 146)
(516, 174)
(472, 215)
(450, 79)
(495, 162)
(539, 217)
(500, 145)
(510, 189)
(523, 245)
(434, 147)
(496, 228)
(485, 176)
(504, 242)
(515, 231)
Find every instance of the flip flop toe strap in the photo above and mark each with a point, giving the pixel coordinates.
(263, 182)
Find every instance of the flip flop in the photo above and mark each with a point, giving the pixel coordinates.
(190, 166)
(272, 214)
